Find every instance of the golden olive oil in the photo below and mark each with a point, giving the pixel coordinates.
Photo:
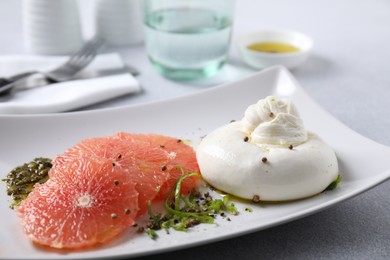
(273, 47)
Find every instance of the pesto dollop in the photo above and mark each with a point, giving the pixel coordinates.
(20, 181)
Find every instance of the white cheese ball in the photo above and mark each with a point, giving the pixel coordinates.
(270, 157)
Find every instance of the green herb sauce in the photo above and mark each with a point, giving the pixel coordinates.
(21, 180)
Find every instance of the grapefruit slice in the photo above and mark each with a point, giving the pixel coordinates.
(142, 161)
(84, 204)
(99, 148)
(98, 187)
(179, 154)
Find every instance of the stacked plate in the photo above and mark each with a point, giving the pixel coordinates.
(119, 22)
(51, 27)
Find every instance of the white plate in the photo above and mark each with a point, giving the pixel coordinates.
(363, 163)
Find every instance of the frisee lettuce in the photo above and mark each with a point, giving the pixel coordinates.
(185, 211)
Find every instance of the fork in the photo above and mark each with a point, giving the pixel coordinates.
(64, 72)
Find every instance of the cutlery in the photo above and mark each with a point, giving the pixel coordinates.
(64, 72)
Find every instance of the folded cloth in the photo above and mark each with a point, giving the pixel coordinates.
(87, 88)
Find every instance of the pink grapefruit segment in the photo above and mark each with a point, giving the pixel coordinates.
(82, 205)
(145, 168)
(142, 161)
(100, 148)
(180, 155)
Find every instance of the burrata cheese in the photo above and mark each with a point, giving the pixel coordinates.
(268, 155)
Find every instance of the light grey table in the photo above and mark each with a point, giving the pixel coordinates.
(348, 74)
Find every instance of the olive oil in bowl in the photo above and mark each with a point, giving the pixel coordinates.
(273, 47)
(266, 48)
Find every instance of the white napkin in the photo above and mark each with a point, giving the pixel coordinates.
(85, 90)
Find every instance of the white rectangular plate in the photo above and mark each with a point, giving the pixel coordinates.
(363, 163)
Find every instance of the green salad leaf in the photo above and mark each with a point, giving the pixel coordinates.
(185, 211)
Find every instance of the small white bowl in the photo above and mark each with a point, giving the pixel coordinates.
(260, 60)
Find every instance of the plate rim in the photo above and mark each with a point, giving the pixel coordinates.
(380, 178)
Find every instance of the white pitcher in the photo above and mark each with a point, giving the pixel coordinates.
(51, 27)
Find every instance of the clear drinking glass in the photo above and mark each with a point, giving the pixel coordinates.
(188, 39)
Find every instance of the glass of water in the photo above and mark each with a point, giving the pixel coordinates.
(188, 39)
